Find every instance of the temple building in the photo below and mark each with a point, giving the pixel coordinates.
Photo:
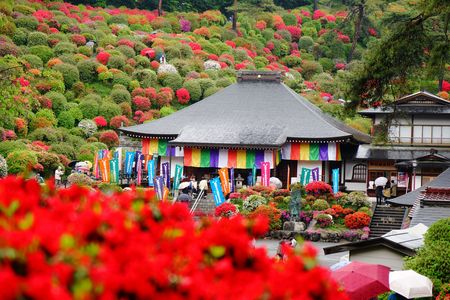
(258, 119)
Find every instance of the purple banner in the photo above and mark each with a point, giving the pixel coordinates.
(323, 151)
(140, 157)
(159, 187)
(137, 158)
(315, 174)
(232, 180)
(259, 158)
(214, 158)
(265, 173)
(166, 174)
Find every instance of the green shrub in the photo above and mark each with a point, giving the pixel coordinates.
(127, 51)
(88, 70)
(358, 200)
(142, 62)
(28, 22)
(210, 91)
(66, 120)
(366, 210)
(7, 147)
(116, 62)
(439, 231)
(120, 95)
(50, 162)
(145, 77)
(68, 59)
(20, 36)
(89, 108)
(289, 19)
(260, 62)
(37, 38)
(109, 110)
(79, 179)
(46, 135)
(88, 127)
(118, 19)
(85, 50)
(306, 42)
(70, 73)
(121, 78)
(58, 101)
(34, 61)
(310, 68)
(194, 88)
(320, 204)
(23, 9)
(76, 113)
(75, 141)
(44, 52)
(47, 114)
(166, 110)
(223, 82)
(20, 161)
(64, 149)
(291, 61)
(172, 80)
(65, 48)
(7, 48)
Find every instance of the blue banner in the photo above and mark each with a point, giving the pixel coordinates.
(315, 174)
(151, 171)
(232, 187)
(335, 178)
(177, 177)
(216, 189)
(159, 187)
(129, 161)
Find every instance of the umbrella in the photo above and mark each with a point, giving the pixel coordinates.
(339, 265)
(381, 181)
(276, 182)
(184, 185)
(410, 284)
(362, 280)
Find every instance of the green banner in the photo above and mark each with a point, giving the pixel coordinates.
(114, 166)
(305, 175)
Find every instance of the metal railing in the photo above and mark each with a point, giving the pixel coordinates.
(197, 201)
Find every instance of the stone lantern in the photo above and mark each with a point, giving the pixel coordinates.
(239, 181)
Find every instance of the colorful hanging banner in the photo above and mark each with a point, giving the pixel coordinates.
(105, 169)
(305, 175)
(151, 167)
(166, 194)
(254, 174)
(226, 158)
(216, 189)
(161, 147)
(139, 159)
(129, 161)
(158, 182)
(96, 169)
(114, 167)
(166, 174)
(177, 177)
(315, 174)
(147, 158)
(265, 173)
(224, 180)
(335, 177)
(118, 156)
(232, 183)
(288, 185)
(311, 151)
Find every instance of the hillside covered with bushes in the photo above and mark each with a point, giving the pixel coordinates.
(72, 74)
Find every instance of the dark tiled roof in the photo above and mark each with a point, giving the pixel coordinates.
(249, 113)
(429, 214)
(379, 241)
(408, 199)
(396, 152)
(432, 205)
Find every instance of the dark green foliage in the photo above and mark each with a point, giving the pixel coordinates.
(194, 88)
(34, 61)
(122, 78)
(66, 119)
(145, 77)
(172, 80)
(65, 48)
(116, 62)
(47, 135)
(50, 162)
(44, 52)
(20, 161)
(58, 101)
(305, 42)
(20, 36)
(127, 51)
(208, 92)
(37, 38)
(439, 231)
(109, 110)
(121, 95)
(88, 70)
(69, 72)
(28, 22)
(64, 149)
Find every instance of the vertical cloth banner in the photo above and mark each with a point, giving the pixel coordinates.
(151, 171)
(216, 189)
(137, 157)
(129, 161)
(104, 169)
(254, 174)
(177, 177)
(265, 173)
(96, 168)
(114, 166)
(224, 180)
(166, 174)
(139, 167)
(118, 156)
(315, 174)
(305, 175)
(232, 186)
(288, 184)
(159, 187)
(335, 178)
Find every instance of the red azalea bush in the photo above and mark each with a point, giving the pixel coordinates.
(109, 138)
(270, 212)
(225, 210)
(183, 96)
(81, 243)
(119, 121)
(103, 57)
(317, 188)
(100, 121)
(324, 220)
(142, 103)
(357, 220)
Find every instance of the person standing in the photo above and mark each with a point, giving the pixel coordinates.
(393, 189)
(58, 173)
(379, 194)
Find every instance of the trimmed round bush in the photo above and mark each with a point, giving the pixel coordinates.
(34, 61)
(109, 138)
(47, 135)
(88, 70)
(9, 48)
(109, 110)
(44, 52)
(20, 36)
(28, 22)
(358, 200)
(116, 62)
(210, 91)
(122, 78)
(127, 51)
(89, 108)
(194, 88)
(305, 42)
(439, 231)
(64, 48)
(7, 147)
(320, 204)
(37, 38)
(66, 120)
(76, 113)
(59, 101)
(120, 96)
(145, 77)
(166, 110)
(63, 149)
(50, 162)
(20, 161)
(69, 72)
(88, 126)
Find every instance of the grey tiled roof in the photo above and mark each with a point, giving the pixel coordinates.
(408, 199)
(395, 152)
(429, 214)
(255, 113)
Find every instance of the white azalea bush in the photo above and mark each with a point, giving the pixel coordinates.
(211, 65)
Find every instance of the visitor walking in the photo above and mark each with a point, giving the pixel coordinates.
(39, 178)
(380, 182)
(387, 191)
(203, 185)
(58, 173)
(393, 189)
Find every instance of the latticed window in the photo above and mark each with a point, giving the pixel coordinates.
(359, 173)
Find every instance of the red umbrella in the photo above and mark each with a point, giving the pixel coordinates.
(363, 281)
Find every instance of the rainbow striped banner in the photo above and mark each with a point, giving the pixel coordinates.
(311, 151)
(151, 146)
(228, 158)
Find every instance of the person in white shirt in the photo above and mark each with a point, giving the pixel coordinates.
(58, 173)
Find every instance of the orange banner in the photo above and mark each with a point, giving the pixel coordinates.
(224, 181)
(105, 169)
(166, 194)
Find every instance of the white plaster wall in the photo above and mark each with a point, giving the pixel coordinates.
(349, 169)
(375, 255)
(309, 165)
(356, 186)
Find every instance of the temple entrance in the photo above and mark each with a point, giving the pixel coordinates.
(282, 170)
